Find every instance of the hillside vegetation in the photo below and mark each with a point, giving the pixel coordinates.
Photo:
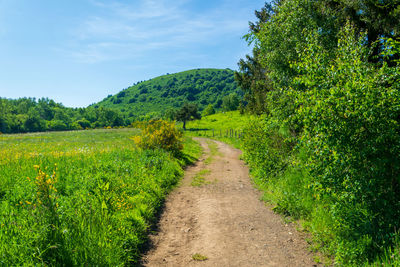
(171, 91)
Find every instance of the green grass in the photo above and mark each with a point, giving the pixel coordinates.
(199, 179)
(225, 126)
(213, 152)
(199, 257)
(81, 198)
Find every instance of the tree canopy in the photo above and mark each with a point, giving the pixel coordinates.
(200, 86)
(31, 115)
(186, 113)
(326, 76)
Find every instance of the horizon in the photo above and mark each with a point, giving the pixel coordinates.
(78, 53)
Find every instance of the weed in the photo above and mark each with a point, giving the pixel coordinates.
(199, 257)
(199, 179)
(213, 152)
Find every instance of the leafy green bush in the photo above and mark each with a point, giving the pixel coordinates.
(339, 170)
(159, 134)
(209, 110)
(265, 147)
(350, 112)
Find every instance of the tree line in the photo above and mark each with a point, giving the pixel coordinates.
(31, 115)
(324, 76)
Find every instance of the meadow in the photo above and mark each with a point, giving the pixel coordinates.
(81, 197)
(225, 126)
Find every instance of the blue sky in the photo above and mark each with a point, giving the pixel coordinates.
(79, 51)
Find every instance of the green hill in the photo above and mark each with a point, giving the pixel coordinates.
(200, 86)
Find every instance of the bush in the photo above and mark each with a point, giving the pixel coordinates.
(84, 123)
(57, 125)
(350, 112)
(342, 175)
(209, 110)
(159, 134)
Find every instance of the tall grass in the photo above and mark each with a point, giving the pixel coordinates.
(81, 198)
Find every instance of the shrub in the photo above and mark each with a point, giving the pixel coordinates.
(159, 134)
(209, 110)
(350, 113)
(338, 168)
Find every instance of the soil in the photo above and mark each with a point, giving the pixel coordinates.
(223, 222)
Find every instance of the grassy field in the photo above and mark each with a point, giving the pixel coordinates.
(225, 126)
(81, 198)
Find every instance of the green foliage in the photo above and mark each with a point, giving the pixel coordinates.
(187, 112)
(327, 149)
(171, 91)
(378, 19)
(253, 81)
(350, 112)
(209, 110)
(266, 148)
(80, 198)
(230, 102)
(339, 168)
(28, 115)
(159, 134)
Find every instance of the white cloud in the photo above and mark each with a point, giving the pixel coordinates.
(131, 30)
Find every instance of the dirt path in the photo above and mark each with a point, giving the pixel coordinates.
(216, 213)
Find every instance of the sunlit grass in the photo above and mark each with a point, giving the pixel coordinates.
(213, 152)
(199, 179)
(81, 198)
(224, 126)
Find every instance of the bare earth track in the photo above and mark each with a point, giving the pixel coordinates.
(223, 220)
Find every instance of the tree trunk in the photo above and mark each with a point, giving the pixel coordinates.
(184, 125)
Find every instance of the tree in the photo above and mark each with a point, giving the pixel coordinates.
(378, 19)
(209, 110)
(170, 114)
(230, 102)
(253, 80)
(187, 112)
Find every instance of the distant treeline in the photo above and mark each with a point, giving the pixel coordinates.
(31, 115)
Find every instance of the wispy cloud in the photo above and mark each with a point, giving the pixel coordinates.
(131, 30)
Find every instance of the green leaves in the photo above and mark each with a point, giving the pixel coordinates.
(350, 112)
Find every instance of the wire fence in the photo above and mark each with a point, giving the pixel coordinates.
(228, 133)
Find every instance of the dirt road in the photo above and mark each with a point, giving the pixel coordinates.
(215, 218)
